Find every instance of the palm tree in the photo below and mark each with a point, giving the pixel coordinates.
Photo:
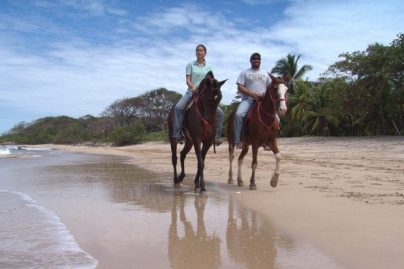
(288, 67)
(320, 118)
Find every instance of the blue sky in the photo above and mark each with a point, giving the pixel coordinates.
(76, 57)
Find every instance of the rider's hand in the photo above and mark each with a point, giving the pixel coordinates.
(257, 97)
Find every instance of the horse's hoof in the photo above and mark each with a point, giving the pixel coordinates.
(181, 178)
(177, 185)
(230, 181)
(274, 180)
(253, 187)
(196, 190)
(240, 183)
(203, 193)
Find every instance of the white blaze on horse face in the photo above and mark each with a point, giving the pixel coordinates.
(282, 89)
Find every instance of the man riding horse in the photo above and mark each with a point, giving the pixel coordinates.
(263, 98)
(252, 84)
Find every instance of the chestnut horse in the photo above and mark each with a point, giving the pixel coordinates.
(260, 128)
(199, 128)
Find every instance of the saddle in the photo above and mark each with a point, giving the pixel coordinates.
(248, 118)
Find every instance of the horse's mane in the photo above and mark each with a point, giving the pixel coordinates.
(208, 78)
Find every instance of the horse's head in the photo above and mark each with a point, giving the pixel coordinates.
(209, 89)
(209, 96)
(279, 92)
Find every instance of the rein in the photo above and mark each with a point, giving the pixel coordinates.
(272, 115)
(204, 121)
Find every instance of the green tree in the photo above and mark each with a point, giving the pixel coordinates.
(288, 67)
(125, 135)
(376, 77)
(157, 106)
(126, 111)
(320, 119)
(151, 107)
(299, 104)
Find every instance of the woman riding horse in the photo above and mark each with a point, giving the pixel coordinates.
(199, 128)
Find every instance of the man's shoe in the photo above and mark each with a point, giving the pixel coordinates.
(239, 146)
(218, 142)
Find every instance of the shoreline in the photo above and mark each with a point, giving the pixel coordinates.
(345, 196)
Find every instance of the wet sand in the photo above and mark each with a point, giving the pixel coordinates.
(344, 196)
(123, 216)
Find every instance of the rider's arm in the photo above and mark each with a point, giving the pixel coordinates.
(243, 89)
(190, 84)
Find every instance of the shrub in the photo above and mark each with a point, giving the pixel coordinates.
(127, 135)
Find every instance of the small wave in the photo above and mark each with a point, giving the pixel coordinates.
(4, 151)
(34, 237)
(34, 149)
(16, 151)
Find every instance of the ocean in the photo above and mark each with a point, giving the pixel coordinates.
(32, 236)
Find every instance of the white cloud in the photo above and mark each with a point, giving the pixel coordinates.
(259, 2)
(76, 76)
(192, 18)
(321, 30)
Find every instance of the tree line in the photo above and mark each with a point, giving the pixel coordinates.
(361, 94)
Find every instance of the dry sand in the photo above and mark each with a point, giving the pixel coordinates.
(343, 195)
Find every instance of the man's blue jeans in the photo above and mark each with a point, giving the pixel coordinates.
(241, 112)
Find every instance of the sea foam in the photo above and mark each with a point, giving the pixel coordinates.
(32, 236)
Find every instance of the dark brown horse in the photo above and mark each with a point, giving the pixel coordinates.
(260, 128)
(199, 128)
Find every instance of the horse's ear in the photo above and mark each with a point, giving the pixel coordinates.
(271, 76)
(210, 75)
(222, 82)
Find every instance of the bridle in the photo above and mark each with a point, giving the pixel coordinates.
(205, 122)
(274, 102)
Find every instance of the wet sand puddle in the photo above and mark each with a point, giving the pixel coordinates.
(126, 217)
(173, 227)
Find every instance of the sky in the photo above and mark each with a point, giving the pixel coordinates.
(77, 57)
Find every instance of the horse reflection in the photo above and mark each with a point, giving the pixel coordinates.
(190, 248)
(249, 241)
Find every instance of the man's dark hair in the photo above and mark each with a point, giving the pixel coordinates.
(255, 55)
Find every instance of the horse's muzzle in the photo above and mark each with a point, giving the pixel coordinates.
(282, 108)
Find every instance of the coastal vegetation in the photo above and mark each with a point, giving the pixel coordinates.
(361, 94)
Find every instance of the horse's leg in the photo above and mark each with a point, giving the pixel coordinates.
(274, 180)
(174, 159)
(199, 173)
(205, 149)
(230, 139)
(274, 147)
(183, 155)
(244, 151)
(253, 166)
(231, 158)
(275, 150)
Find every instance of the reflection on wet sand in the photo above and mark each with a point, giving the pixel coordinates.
(249, 240)
(192, 231)
(195, 248)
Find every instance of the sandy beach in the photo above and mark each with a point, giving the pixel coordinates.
(345, 196)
